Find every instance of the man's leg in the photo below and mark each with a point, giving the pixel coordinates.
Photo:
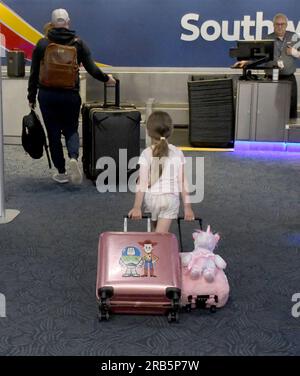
(70, 131)
(70, 123)
(51, 117)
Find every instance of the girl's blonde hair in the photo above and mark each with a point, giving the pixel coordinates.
(159, 127)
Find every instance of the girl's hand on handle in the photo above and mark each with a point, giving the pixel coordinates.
(189, 214)
(135, 213)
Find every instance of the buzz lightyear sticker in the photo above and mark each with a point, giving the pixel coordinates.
(132, 259)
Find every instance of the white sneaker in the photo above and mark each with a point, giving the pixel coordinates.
(60, 178)
(76, 176)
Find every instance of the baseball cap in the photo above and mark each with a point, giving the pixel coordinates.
(60, 17)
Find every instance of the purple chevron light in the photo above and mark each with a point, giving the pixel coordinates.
(243, 146)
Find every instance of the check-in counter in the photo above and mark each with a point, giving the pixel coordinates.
(262, 110)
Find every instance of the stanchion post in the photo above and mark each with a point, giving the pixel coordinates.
(6, 215)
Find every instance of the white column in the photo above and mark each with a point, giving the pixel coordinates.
(6, 215)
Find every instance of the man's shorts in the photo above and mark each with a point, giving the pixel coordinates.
(162, 205)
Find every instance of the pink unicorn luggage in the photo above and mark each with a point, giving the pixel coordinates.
(138, 273)
(198, 293)
(204, 283)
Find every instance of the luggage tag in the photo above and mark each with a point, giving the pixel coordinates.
(280, 64)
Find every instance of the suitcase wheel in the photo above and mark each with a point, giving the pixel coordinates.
(105, 293)
(201, 301)
(173, 316)
(213, 307)
(104, 315)
(188, 306)
(103, 311)
(174, 294)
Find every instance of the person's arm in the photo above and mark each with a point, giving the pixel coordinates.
(292, 51)
(91, 67)
(184, 191)
(34, 74)
(187, 207)
(136, 211)
(241, 64)
(141, 187)
(293, 46)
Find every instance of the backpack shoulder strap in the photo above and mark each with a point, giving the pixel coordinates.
(34, 113)
(73, 41)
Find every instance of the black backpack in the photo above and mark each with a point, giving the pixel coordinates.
(34, 137)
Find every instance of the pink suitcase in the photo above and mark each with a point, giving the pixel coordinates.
(138, 273)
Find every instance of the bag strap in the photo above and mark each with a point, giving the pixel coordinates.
(45, 144)
(73, 44)
(73, 41)
(48, 156)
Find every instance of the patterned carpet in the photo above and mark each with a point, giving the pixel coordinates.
(49, 256)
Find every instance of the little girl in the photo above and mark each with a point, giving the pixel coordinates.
(161, 177)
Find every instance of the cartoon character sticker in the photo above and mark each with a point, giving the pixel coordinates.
(149, 257)
(131, 259)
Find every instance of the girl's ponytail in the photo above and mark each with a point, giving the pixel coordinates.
(159, 127)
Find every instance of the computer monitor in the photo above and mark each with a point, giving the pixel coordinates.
(258, 51)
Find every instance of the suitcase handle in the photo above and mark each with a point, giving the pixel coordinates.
(143, 217)
(179, 219)
(117, 94)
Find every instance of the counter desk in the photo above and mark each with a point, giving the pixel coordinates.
(262, 110)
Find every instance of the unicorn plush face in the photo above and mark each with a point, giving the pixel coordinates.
(205, 239)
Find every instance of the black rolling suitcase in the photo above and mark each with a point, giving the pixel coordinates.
(16, 63)
(107, 128)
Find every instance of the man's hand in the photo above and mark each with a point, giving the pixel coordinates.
(292, 52)
(240, 64)
(111, 80)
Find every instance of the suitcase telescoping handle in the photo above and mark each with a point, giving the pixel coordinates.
(117, 94)
(179, 219)
(143, 217)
